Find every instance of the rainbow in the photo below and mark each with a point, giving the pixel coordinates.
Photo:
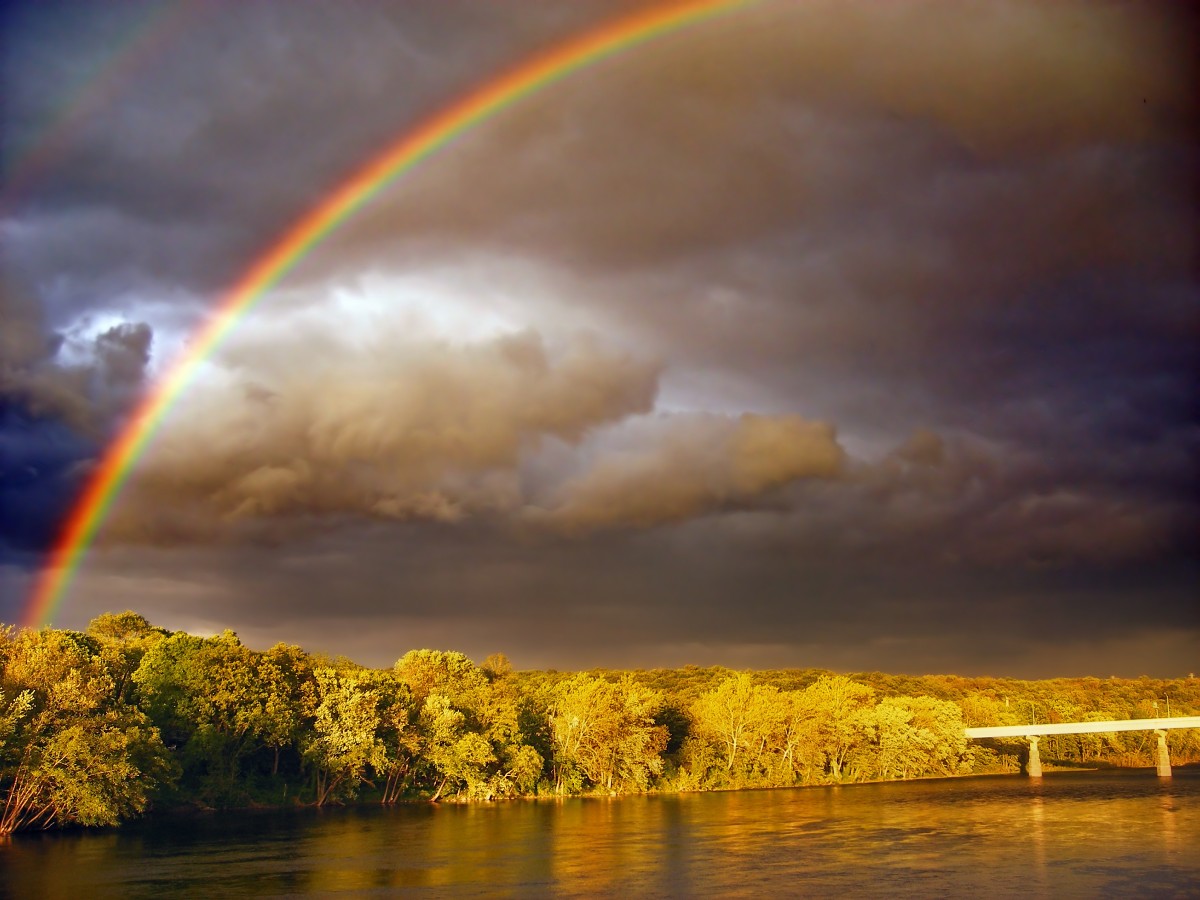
(146, 41)
(395, 160)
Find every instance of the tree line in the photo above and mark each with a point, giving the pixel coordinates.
(98, 726)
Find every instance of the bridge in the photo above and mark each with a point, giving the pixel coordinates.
(1033, 732)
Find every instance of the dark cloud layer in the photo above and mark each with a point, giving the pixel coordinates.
(825, 333)
(55, 416)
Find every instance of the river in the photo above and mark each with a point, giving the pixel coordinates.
(1071, 835)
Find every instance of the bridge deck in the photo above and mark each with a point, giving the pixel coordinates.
(1084, 727)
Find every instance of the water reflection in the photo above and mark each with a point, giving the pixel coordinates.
(1169, 809)
(1091, 835)
(1037, 834)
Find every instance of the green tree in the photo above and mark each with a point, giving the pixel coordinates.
(124, 639)
(345, 746)
(468, 738)
(208, 697)
(287, 687)
(70, 750)
(398, 732)
(458, 756)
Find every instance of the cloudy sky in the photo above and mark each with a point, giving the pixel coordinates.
(834, 334)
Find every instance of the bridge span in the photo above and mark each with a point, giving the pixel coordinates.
(1033, 732)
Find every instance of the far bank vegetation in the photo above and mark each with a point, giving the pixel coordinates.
(100, 726)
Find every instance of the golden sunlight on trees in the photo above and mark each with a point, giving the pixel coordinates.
(917, 735)
(71, 750)
(344, 744)
(739, 718)
(604, 735)
(467, 737)
(101, 726)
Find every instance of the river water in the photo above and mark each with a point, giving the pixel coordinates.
(1071, 835)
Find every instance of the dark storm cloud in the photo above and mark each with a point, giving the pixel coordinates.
(1010, 252)
(715, 597)
(151, 151)
(86, 396)
(793, 110)
(54, 417)
(243, 119)
(961, 237)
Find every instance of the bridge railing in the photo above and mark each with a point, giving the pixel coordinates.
(1048, 728)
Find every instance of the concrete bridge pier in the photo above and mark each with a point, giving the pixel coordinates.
(1162, 758)
(1033, 768)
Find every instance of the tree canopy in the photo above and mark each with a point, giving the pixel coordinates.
(99, 726)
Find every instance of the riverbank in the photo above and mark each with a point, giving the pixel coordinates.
(170, 719)
(368, 802)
